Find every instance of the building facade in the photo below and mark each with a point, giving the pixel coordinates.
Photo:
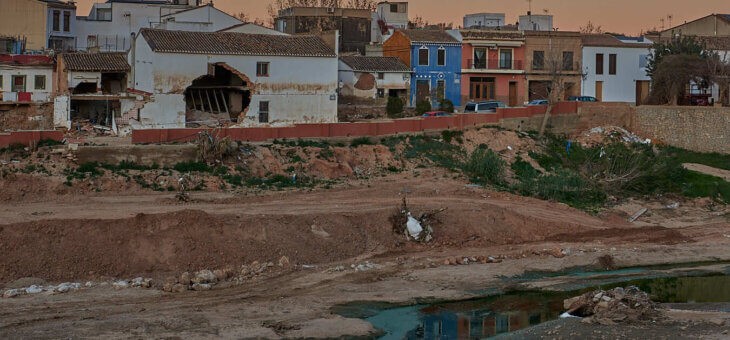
(493, 66)
(354, 25)
(615, 68)
(434, 58)
(254, 80)
(26, 78)
(535, 22)
(199, 19)
(374, 77)
(38, 24)
(388, 17)
(553, 64)
(484, 20)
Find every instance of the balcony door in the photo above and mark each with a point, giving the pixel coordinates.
(481, 88)
(505, 59)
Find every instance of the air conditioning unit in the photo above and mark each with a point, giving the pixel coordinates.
(331, 10)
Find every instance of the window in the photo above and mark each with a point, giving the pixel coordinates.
(423, 56)
(611, 64)
(18, 84)
(480, 58)
(262, 69)
(381, 93)
(505, 59)
(56, 21)
(599, 63)
(441, 88)
(90, 41)
(40, 82)
(1, 81)
(381, 75)
(263, 112)
(393, 8)
(441, 57)
(538, 60)
(643, 61)
(104, 14)
(67, 21)
(567, 61)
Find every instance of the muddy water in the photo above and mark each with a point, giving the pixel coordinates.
(502, 314)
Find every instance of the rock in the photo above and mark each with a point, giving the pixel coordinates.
(255, 265)
(33, 290)
(168, 286)
(270, 264)
(447, 262)
(606, 298)
(717, 322)
(220, 274)
(284, 261)
(121, 284)
(569, 302)
(89, 284)
(185, 278)
(171, 280)
(201, 286)
(12, 293)
(179, 288)
(205, 276)
(64, 287)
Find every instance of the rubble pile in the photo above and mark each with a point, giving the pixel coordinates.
(628, 304)
(205, 279)
(599, 135)
(416, 229)
(66, 287)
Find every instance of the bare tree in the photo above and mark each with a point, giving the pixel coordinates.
(558, 66)
(591, 28)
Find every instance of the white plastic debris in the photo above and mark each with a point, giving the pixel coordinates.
(566, 315)
(674, 205)
(509, 147)
(414, 227)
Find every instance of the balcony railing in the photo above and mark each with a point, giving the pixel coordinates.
(495, 64)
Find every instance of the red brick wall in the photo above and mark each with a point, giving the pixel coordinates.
(28, 137)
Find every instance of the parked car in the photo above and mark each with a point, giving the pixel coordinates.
(436, 114)
(582, 99)
(483, 107)
(538, 102)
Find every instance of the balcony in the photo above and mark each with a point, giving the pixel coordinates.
(497, 65)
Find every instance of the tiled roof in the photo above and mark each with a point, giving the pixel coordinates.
(24, 60)
(429, 36)
(491, 35)
(96, 62)
(607, 40)
(231, 43)
(375, 64)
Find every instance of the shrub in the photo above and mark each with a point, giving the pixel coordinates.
(446, 105)
(192, 166)
(485, 166)
(360, 141)
(423, 107)
(394, 107)
(449, 135)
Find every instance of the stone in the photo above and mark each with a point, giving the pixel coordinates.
(121, 284)
(64, 287)
(447, 262)
(284, 261)
(205, 276)
(179, 288)
(220, 274)
(569, 302)
(168, 286)
(11, 293)
(33, 289)
(201, 286)
(460, 260)
(606, 298)
(185, 278)
(171, 280)
(255, 265)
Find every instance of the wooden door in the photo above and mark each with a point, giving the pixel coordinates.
(481, 90)
(599, 91)
(642, 91)
(422, 90)
(513, 94)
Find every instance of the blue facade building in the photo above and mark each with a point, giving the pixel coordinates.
(434, 57)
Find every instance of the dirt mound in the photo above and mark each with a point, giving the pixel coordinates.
(616, 305)
(648, 234)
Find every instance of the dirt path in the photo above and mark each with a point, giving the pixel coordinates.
(708, 170)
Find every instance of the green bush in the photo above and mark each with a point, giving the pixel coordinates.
(485, 167)
(443, 154)
(394, 107)
(524, 171)
(446, 105)
(361, 141)
(449, 135)
(192, 166)
(568, 187)
(423, 107)
(90, 168)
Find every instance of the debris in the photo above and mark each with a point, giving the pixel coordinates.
(317, 230)
(638, 214)
(284, 261)
(201, 286)
(419, 229)
(33, 289)
(674, 205)
(612, 306)
(414, 227)
(205, 276)
(120, 284)
(182, 194)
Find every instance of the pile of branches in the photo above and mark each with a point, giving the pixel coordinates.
(399, 221)
(212, 150)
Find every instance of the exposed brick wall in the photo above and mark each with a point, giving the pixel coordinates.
(703, 129)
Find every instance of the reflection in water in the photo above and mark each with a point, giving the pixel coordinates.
(684, 289)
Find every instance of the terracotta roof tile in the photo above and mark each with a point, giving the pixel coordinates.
(96, 62)
(375, 64)
(429, 36)
(231, 43)
(491, 35)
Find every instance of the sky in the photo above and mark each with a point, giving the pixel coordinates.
(618, 16)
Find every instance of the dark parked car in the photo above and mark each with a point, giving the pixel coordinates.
(436, 114)
(483, 107)
(582, 99)
(537, 102)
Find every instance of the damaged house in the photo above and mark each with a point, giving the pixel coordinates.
(92, 87)
(250, 79)
(374, 77)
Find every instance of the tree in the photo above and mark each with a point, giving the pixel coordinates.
(591, 28)
(557, 70)
(277, 5)
(672, 75)
(677, 45)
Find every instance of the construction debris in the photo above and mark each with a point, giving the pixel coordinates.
(417, 229)
(628, 304)
(638, 214)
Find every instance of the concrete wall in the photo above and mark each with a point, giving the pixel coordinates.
(24, 18)
(298, 89)
(704, 129)
(201, 19)
(619, 87)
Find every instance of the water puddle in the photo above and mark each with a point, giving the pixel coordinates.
(500, 315)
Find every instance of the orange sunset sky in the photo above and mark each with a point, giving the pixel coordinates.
(620, 16)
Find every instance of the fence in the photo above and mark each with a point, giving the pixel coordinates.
(28, 137)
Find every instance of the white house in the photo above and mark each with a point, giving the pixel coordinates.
(374, 77)
(251, 28)
(252, 79)
(614, 68)
(199, 19)
(535, 22)
(387, 17)
(110, 25)
(61, 25)
(26, 78)
(482, 20)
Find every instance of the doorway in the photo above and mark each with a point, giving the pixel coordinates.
(512, 94)
(599, 91)
(481, 88)
(423, 89)
(642, 91)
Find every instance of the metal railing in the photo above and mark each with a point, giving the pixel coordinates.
(495, 64)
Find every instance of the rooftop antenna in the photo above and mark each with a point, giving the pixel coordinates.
(662, 21)
(529, 7)
(670, 17)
